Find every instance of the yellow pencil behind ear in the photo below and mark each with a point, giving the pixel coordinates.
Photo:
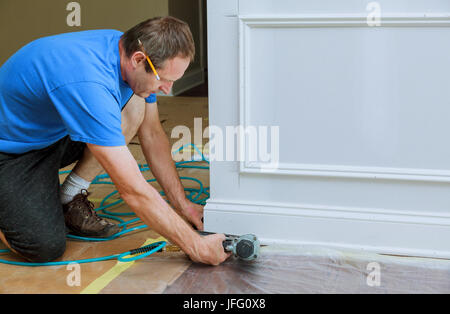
(148, 60)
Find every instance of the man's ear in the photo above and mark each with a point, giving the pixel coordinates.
(137, 58)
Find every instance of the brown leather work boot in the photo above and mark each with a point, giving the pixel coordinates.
(82, 219)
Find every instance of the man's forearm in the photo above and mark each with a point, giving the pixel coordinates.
(157, 151)
(143, 199)
(155, 212)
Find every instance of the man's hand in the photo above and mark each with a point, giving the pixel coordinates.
(193, 213)
(209, 250)
(145, 201)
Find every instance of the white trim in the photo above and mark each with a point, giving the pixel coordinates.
(297, 169)
(346, 20)
(375, 230)
(335, 212)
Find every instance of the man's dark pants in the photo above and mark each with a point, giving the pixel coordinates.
(31, 214)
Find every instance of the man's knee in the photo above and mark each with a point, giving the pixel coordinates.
(43, 248)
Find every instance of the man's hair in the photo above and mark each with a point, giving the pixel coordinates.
(163, 38)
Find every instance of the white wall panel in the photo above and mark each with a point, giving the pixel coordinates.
(363, 118)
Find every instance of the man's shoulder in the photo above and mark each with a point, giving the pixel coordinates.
(67, 44)
(85, 34)
(86, 56)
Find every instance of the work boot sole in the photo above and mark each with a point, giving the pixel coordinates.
(109, 231)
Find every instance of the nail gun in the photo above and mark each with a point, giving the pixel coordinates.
(245, 247)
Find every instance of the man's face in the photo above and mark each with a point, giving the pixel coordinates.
(144, 83)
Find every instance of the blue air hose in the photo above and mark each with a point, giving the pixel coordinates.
(145, 250)
(194, 196)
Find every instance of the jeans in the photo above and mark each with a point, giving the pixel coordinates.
(31, 214)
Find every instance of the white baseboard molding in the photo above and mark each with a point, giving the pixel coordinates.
(372, 230)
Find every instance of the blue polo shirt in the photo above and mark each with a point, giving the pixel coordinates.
(68, 84)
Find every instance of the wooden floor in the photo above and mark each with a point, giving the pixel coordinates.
(277, 270)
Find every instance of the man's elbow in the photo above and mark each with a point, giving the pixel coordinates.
(140, 197)
(134, 196)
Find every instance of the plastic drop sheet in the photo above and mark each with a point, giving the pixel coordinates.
(317, 270)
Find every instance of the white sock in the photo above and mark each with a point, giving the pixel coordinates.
(72, 186)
